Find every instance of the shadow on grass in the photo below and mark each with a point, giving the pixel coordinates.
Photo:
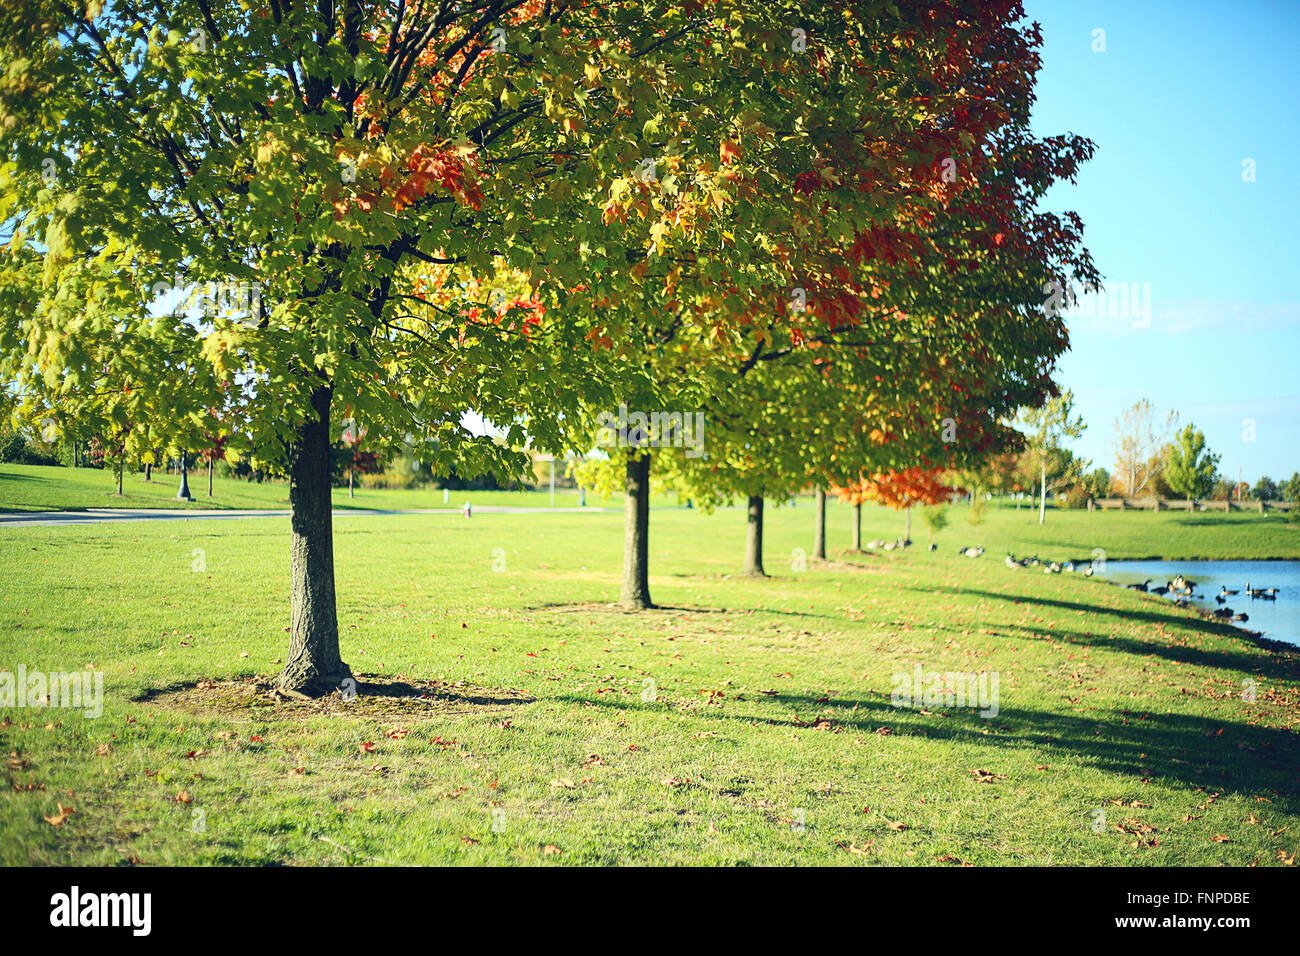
(1198, 752)
(372, 696)
(1279, 662)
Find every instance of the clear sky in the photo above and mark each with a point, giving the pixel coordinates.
(1183, 93)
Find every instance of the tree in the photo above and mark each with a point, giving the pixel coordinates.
(1139, 445)
(900, 490)
(359, 173)
(1291, 488)
(1097, 483)
(936, 519)
(1046, 428)
(1190, 468)
(1265, 489)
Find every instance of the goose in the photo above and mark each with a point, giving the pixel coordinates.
(1087, 572)
(1268, 594)
(1254, 592)
(1140, 587)
(1271, 591)
(1223, 613)
(972, 552)
(1219, 598)
(1225, 593)
(1162, 590)
(934, 547)
(1178, 583)
(1243, 617)
(1011, 561)
(1068, 566)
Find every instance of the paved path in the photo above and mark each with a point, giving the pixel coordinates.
(106, 515)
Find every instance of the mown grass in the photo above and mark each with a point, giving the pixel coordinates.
(45, 488)
(767, 735)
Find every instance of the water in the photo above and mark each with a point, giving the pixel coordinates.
(1278, 619)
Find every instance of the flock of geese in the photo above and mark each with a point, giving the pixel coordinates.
(1183, 587)
(1049, 567)
(1180, 589)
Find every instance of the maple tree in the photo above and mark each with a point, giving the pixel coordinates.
(355, 165)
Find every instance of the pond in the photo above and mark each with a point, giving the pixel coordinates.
(1278, 619)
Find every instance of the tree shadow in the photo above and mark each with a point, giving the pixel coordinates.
(1197, 752)
(1281, 662)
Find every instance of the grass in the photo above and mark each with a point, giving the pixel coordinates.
(45, 488)
(750, 721)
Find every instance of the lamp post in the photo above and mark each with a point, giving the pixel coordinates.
(184, 493)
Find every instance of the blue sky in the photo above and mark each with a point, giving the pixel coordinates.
(1183, 94)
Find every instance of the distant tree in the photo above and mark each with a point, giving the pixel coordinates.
(1190, 468)
(1097, 482)
(1045, 429)
(1265, 489)
(1222, 490)
(1291, 488)
(1139, 444)
(935, 518)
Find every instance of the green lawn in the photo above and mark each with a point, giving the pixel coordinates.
(41, 488)
(749, 722)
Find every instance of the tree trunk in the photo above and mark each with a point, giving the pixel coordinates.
(148, 472)
(1042, 493)
(314, 666)
(121, 467)
(819, 534)
(857, 527)
(907, 534)
(754, 537)
(209, 477)
(636, 534)
(352, 471)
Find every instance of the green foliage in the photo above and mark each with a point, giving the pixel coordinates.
(1190, 468)
(1097, 483)
(935, 518)
(1265, 489)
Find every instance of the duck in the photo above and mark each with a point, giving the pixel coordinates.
(1139, 587)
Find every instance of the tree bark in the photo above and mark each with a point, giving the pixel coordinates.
(636, 534)
(754, 537)
(209, 477)
(819, 534)
(148, 472)
(352, 471)
(857, 527)
(907, 533)
(314, 666)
